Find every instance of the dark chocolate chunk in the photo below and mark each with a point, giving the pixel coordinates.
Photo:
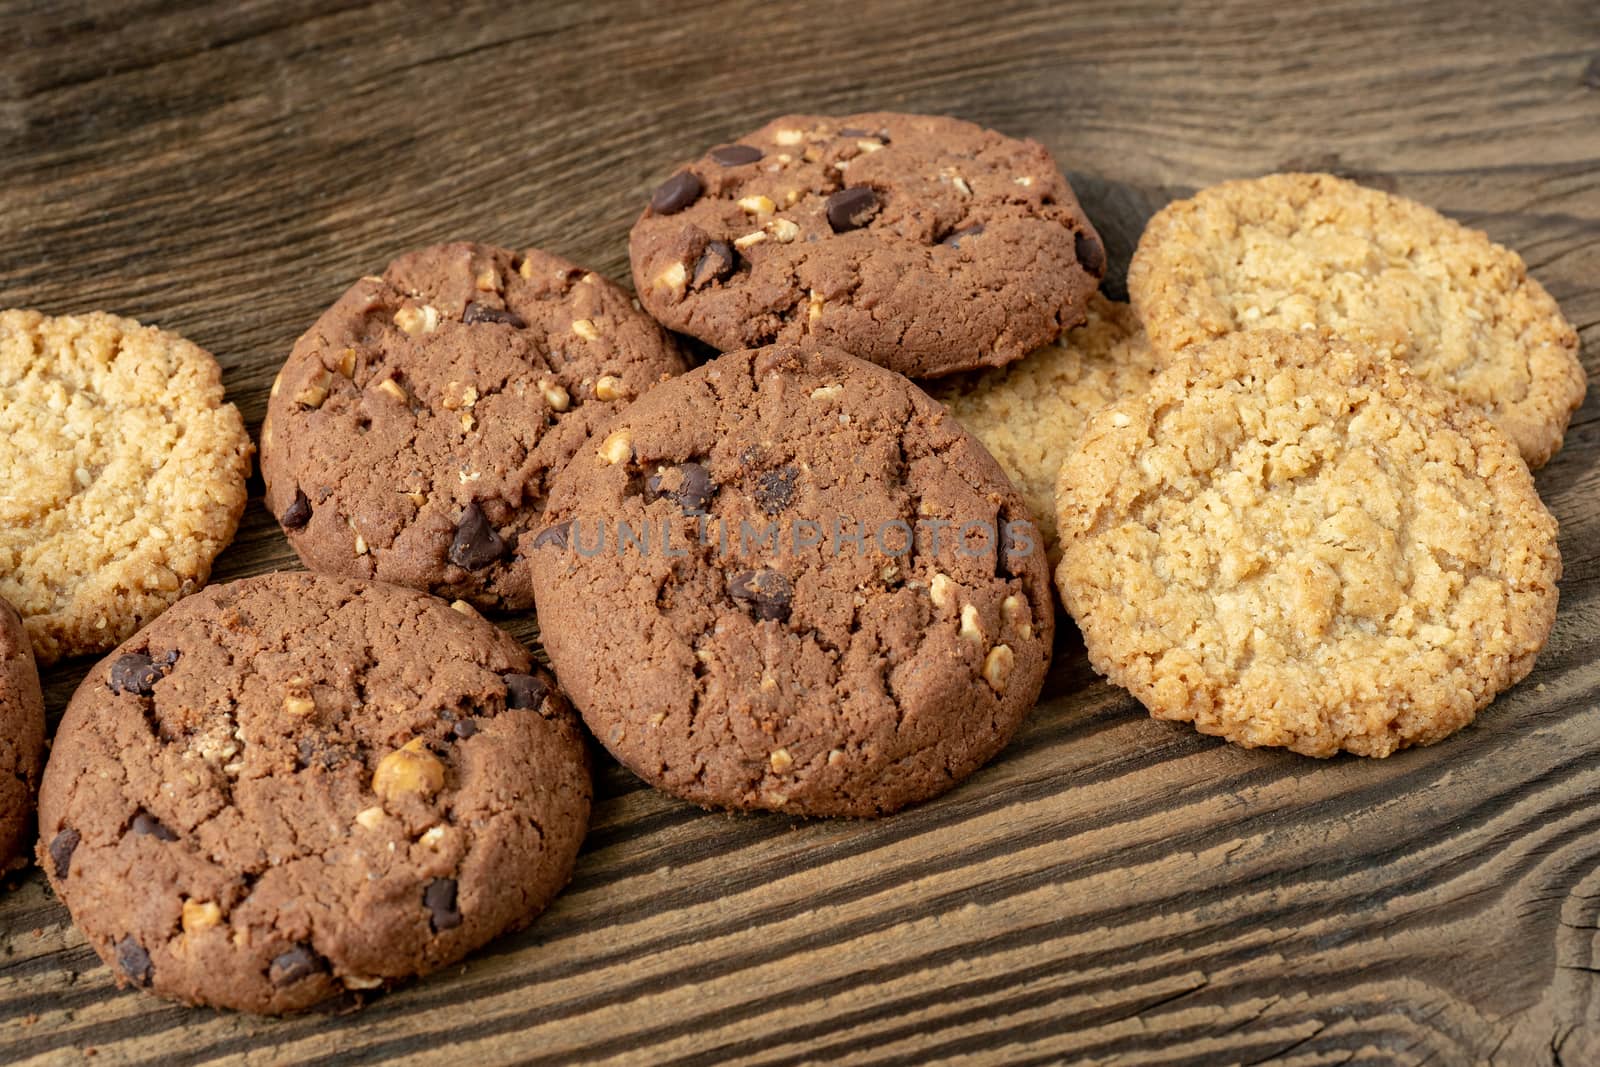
(299, 962)
(525, 690)
(477, 544)
(134, 961)
(464, 728)
(440, 900)
(851, 209)
(715, 263)
(1091, 253)
(735, 155)
(775, 489)
(138, 673)
(298, 513)
(62, 846)
(553, 535)
(955, 239)
(694, 490)
(676, 193)
(476, 313)
(765, 592)
(147, 825)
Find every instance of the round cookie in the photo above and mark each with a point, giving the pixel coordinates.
(413, 431)
(777, 641)
(922, 243)
(1312, 251)
(1295, 541)
(1029, 414)
(124, 470)
(291, 786)
(21, 738)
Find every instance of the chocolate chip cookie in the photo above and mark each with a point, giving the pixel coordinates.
(1299, 542)
(924, 244)
(1316, 252)
(788, 580)
(21, 738)
(1029, 414)
(124, 471)
(291, 786)
(412, 433)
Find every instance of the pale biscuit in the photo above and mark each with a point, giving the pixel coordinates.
(1292, 541)
(124, 470)
(1312, 251)
(1029, 414)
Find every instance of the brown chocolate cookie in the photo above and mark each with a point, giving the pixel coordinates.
(789, 580)
(413, 430)
(21, 737)
(926, 244)
(290, 786)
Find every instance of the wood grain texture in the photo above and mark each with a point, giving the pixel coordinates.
(1111, 889)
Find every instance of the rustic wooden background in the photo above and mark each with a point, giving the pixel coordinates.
(1112, 889)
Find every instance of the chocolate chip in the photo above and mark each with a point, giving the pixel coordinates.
(134, 961)
(851, 209)
(775, 489)
(1092, 254)
(464, 728)
(440, 900)
(764, 592)
(477, 544)
(694, 490)
(147, 825)
(476, 313)
(955, 239)
(138, 673)
(525, 690)
(676, 193)
(553, 535)
(298, 513)
(735, 155)
(288, 967)
(715, 263)
(62, 846)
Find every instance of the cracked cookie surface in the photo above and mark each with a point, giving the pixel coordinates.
(1030, 413)
(1313, 251)
(922, 243)
(412, 433)
(806, 629)
(21, 738)
(291, 786)
(1294, 541)
(124, 470)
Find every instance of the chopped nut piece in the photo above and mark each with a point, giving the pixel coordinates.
(464, 608)
(658, 718)
(827, 392)
(488, 280)
(585, 329)
(394, 390)
(789, 137)
(1025, 180)
(617, 447)
(555, 395)
(997, 666)
(609, 387)
(468, 423)
(750, 240)
(757, 205)
(781, 761)
(674, 278)
(961, 183)
(869, 146)
(347, 363)
(783, 230)
(298, 706)
(415, 320)
(970, 627)
(433, 837)
(942, 591)
(814, 308)
(418, 499)
(200, 915)
(315, 391)
(835, 757)
(370, 818)
(791, 197)
(408, 771)
(357, 981)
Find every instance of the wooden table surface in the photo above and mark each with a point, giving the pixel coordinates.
(1111, 889)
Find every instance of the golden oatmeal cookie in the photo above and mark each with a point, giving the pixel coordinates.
(1295, 541)
(124, 470)
(1029, 414)
(1308, 251)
